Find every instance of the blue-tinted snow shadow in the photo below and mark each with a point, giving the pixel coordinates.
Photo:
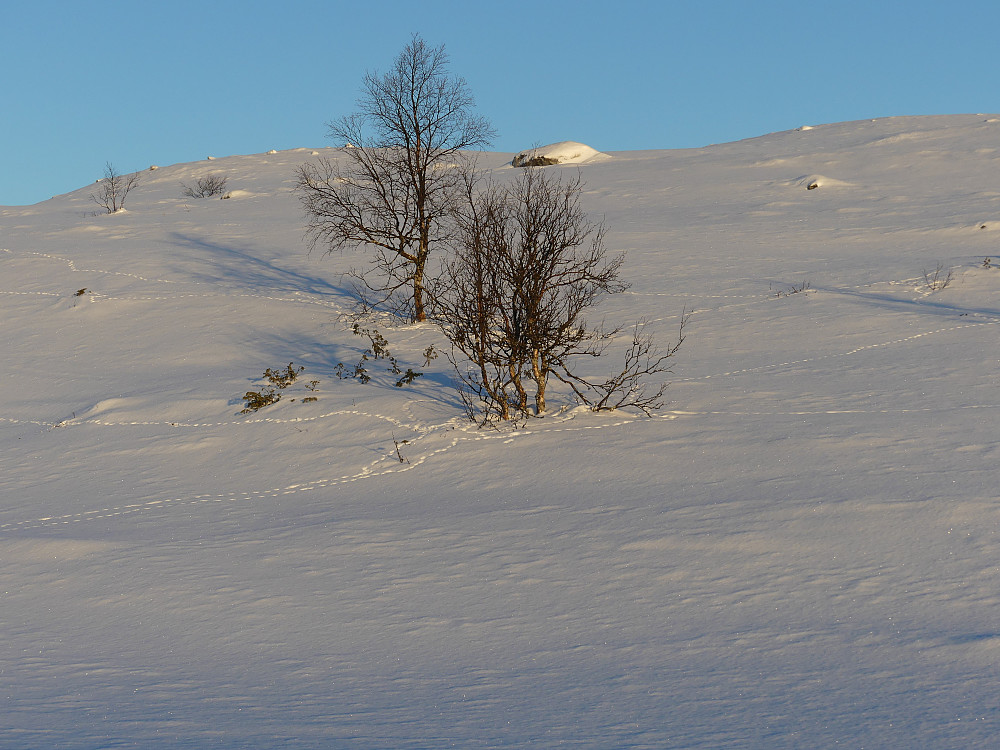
(239, 267)
(321, 358)
(890, 302)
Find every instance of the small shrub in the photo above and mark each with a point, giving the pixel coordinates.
(206, 187)
(257, 400)
(379, 349)
(283, 378)
(360, 372)
(408, 377)
(805, 286)
(271, 394)
(936, 281)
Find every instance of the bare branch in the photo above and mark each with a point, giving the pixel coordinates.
(630, 386)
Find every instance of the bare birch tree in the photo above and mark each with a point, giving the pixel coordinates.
(526, 265)
(114, 188)
(402, 162)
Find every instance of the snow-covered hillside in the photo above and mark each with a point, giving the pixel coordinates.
(802, 551)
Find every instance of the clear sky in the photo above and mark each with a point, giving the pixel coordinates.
(143, 82)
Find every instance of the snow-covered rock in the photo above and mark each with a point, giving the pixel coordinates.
(564, 152)
(813, 181)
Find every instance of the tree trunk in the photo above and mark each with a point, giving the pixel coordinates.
(538, 373)
(515, 378)
(419, 314)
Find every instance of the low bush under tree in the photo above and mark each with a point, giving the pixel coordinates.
(277, 381)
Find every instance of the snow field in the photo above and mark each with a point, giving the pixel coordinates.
(800, 551)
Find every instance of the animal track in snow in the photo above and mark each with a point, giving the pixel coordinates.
(370, 471)
(388, 462)
(680, 413)
(72, 266)
(818, 358)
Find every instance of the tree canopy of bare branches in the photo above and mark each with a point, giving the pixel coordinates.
(391, 188)
(114, 188)
(526, 264)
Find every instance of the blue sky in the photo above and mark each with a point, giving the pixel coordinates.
(149, 82)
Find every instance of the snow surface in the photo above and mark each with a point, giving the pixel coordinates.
(801, 552)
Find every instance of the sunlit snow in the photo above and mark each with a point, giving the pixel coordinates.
(800, 551)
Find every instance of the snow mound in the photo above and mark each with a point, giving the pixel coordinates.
(565, 152)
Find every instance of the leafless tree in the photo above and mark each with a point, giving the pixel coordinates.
(470, 301)
(526, 265)
(114, 188)
(400, 167)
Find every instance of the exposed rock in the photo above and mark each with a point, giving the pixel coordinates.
(525, 160)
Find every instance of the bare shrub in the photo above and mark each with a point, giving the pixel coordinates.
(379, 349)
(206, 187)
(803, 286)
(937, 280)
